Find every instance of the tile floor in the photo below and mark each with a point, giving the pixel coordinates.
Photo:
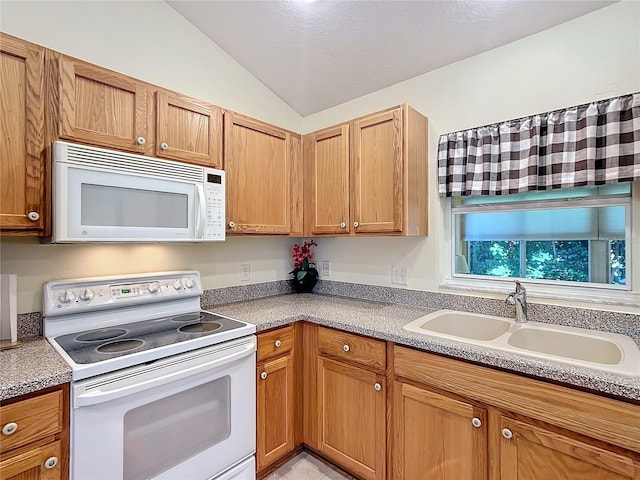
(306, 467)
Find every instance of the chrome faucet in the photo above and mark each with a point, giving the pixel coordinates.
(519, 299)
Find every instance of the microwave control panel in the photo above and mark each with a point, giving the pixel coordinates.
(214, 192)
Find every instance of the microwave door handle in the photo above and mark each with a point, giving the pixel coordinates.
(97, 396)
(201, 213)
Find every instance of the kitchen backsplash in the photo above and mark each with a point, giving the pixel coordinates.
(30, 324)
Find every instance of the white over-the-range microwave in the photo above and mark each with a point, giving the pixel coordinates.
(107, 196)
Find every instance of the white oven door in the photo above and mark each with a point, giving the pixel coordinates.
(190, 416)
(94, 205)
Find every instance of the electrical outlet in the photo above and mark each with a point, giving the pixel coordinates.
(326, 268)
(245, 272)
(399, 275)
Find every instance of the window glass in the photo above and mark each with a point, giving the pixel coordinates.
(579, 237)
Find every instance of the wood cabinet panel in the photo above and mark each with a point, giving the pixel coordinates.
(187, 130)
(326, 156)
(533, 453)
(32, 464)
(275, 342)
(101, 107)
(22, 170)
(377, 171)
(367, 352)
(276, 416)
(434, 436)
(258, 169)
(351, 418)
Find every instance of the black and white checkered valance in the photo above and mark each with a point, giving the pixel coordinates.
(590, 144)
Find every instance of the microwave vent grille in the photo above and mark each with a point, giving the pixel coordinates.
(133, 164)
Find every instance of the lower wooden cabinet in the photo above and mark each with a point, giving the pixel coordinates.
(351, 418)
(275, 416)
(437, 437)
(528, 452)
(34, 443)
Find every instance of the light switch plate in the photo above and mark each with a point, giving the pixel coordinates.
(399, 275)
(326, 268)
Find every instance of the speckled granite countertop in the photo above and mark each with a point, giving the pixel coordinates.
(385, 321)
(34, 366)
(37, 365)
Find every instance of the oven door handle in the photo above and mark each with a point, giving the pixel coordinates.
(109, 390)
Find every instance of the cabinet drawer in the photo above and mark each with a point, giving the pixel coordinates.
(353, 348)
(30, 420)
(275, 342)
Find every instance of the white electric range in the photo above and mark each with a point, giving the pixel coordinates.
(161, 389)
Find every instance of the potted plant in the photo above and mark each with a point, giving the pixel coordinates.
(305, 274)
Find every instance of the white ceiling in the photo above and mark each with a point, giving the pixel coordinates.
(317, 55)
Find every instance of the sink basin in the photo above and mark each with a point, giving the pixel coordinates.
(609, 352)
(464, 325)
(568, 345)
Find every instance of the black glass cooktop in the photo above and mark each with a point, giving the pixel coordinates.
(105, 343)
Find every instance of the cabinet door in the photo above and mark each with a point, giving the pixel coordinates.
(528, 452)
(101, 107)
(437, 437)
(275, 413)
(351, 418)
(326, 156)
(21, 135)
(39, 463)
(258, 169)
(188, 131)
(377, 173)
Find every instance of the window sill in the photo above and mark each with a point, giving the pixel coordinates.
(590, 294)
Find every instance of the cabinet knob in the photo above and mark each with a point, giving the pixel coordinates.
(343, 225)
(264, 375)
(10, 428)
(141, 140)
(346, 348)
(278, 344)
(506, 433)
(50, 462)
(356, 224)
(378, 387)
(164, 146)
(232, 224)
(476, 422)
(33, 216)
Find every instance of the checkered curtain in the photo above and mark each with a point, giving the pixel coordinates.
(590, 144)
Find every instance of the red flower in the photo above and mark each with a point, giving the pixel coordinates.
(302, 253)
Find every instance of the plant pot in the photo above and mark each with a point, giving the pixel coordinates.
(306, 283)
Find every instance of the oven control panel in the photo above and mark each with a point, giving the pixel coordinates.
(84, 295)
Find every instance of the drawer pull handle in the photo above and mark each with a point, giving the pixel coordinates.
(264, 375)
(51, 462)
(506, 433)
(346, 348)
(343, 225)
(33, 216)
(10, 428)
(164, 146)
(476, 422)
(378, 387)
(278, 344)
(232, 224)
(141, 140)
(356, 224)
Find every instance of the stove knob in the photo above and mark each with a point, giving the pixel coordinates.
(67, 297)
(189, 283)
(86, 294)
(154, 287)
(177, 284)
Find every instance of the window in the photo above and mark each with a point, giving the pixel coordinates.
(578, 236)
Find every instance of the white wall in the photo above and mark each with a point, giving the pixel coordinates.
(593, 57)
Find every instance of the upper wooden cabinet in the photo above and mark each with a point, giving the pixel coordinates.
(368, 176)
(263, 180)
(107, 109)
(187, 130)
(101, 107)
(22, 142)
